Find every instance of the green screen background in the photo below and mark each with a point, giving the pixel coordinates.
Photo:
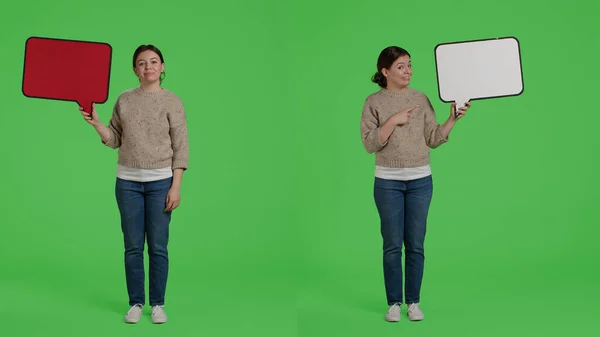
(277, 233)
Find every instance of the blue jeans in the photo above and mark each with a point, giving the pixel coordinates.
(403, 207)
(142, 205)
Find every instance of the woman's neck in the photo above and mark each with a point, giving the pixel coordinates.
(393, 89)
(151, 87)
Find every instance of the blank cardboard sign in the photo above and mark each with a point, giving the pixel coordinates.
(68, 70)
(478, 69)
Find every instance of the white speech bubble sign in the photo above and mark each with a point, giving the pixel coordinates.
(478, 69)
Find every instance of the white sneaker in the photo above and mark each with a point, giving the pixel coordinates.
(393, 314)
(414, 313)
(158, 315)
(134, 314)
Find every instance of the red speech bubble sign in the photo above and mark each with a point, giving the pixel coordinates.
(67, 70)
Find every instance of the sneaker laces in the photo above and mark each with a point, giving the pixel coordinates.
(134, 308)
(412, 307)
(156, 308)
(394, 308)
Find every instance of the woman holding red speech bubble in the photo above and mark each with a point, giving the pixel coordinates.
(148, 126)
(398, 124)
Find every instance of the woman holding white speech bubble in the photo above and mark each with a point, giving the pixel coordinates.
(148, 126)
(399, 125)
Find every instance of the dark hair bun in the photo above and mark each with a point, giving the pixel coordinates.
(379, 79)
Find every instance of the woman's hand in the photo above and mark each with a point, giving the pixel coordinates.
(460, 113)
(401, 118)
(94, 121)
(173, 198)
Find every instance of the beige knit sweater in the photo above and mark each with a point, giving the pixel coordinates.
(409, 144)
(150, 130)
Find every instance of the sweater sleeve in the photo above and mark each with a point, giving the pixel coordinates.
(369, 128)
(179, 136)
(433, 130)
(115, 128)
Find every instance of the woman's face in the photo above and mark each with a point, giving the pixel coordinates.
(399, 73)
(148, 66)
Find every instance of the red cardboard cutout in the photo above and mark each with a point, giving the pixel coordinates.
(67, 70)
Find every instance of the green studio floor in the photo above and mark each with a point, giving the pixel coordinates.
(351, 306)
(93, 305)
